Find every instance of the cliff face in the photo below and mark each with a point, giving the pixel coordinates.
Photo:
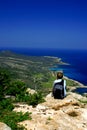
(54, 114)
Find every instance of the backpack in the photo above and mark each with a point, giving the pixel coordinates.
(58, 90)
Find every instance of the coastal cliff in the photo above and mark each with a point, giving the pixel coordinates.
(55, 114)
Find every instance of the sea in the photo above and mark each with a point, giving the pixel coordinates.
(76, 59)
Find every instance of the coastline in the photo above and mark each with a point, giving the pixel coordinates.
(57, 60)
(79, 88)
(80, 84)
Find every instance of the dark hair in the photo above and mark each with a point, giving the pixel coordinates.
(59, 75)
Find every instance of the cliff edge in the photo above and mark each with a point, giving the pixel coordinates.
(55, 114)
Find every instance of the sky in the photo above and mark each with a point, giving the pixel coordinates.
(43, 24)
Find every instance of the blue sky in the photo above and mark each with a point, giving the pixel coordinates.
(43, 23)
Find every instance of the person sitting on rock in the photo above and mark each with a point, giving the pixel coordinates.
(59, 86)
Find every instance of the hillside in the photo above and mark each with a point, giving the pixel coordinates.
(33, 70)
(33, 110)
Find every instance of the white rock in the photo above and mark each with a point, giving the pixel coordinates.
(3, 126)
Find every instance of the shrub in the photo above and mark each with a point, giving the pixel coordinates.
(6, 104)
(31, 99)
(16, 87)
(13, 118)
(4, 82)
(35, 99)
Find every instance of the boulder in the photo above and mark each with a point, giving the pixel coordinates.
(3, 126)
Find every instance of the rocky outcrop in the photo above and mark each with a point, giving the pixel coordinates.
(55, 114)
(3, 126)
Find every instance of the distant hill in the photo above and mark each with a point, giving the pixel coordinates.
(33, 70)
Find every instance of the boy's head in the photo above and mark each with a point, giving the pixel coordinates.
(59, 74)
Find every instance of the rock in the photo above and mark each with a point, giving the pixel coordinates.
(55, 114)
(32, 91)
(3, 126)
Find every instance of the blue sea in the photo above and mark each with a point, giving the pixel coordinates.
(77, 59)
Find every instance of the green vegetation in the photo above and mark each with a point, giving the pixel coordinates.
(49, 118)
(16, 89)
(71, 82)
(6, 104)
(30, 99)
(4, 81)
(12, 118)
(32, 70)
(83, 101)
